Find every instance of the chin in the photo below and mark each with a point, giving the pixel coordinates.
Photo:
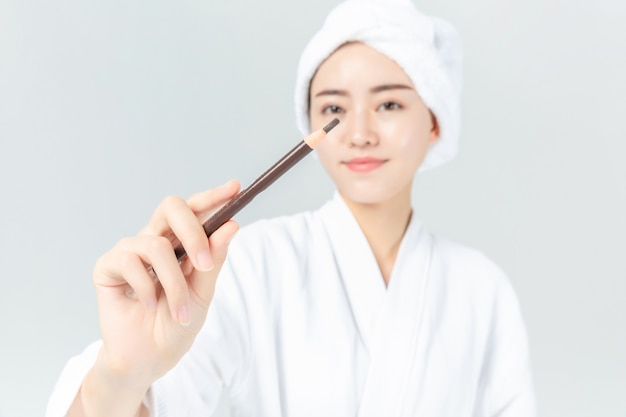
(368, 195)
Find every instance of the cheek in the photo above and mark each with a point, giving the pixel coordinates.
(411, 146)
(323, 153)
(407, 137)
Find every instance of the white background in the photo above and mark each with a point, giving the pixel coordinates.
(106, 107)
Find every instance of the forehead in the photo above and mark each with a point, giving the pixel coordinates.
(355, 65)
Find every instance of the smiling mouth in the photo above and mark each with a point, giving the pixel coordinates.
(364, 164)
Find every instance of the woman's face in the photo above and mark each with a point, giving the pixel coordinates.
(385, 130)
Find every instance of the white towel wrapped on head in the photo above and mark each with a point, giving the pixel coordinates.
(428, 49)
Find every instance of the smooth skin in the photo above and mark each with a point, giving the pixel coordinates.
(372, 156)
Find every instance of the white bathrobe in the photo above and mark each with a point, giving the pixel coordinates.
(302, 325)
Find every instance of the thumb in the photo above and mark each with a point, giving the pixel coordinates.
(202, 283)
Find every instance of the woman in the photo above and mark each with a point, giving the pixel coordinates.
(352, 309)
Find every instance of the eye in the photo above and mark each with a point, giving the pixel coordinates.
(389, 105)
(332, 109)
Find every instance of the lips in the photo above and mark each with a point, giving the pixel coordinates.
(365, 164)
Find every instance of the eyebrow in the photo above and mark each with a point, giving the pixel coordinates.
(386, 87)
(374, 90)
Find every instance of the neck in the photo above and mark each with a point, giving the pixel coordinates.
(383, 225)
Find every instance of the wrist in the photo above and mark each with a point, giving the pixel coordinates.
(107, 392)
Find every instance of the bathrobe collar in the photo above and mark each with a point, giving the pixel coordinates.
(373, 304)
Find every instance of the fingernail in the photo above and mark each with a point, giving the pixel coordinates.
(204, 261)
(183, 316)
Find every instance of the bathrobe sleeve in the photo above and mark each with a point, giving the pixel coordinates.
(507, 385)
(69, 381)
(218, 358)
(193, 387)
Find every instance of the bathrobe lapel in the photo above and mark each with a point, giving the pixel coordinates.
(388, 319)
(397, 350)
(357, 267)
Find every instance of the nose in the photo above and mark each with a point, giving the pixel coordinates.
(360, 131)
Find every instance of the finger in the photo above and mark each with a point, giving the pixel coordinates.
(203, 284)
(200, 203)
(182, 226)
(157, 251)
(188, 231)
(170, 206)
(139, 279)
(206, 202)
(220, 240)
(186, 266)
(121, 268)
